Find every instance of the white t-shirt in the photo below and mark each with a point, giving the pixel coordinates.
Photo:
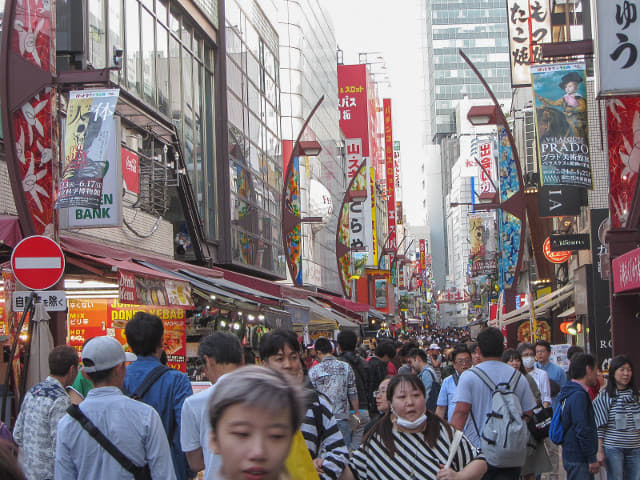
(471, 389)
(195, 426)
(542, 380)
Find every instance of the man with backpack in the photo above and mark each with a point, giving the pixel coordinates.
(419, 363)
(573, 425)
(347, 341)
(497, 398)
(110, 435)
(155, 384)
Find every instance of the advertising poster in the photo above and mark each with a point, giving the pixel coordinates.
(352, 103)
(482, 236)
(623, 140)
(510, 230)
(89, 130)
(130, 170)
(509, 184)
(543, 331)
(87, 319)
(381, 292)
(390, 175)
(561, 123)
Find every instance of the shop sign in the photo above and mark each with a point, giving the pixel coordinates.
(390, 175)
(130, 170)
(352, 103)
(354, 158)
(618, 42)
(626, 271)
(561, 200)
(140, 290)
(554, 257)
(483, 151)
(53, 300)
(87, 318)
(569, 242)
(88, 152)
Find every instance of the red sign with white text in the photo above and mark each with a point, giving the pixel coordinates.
(626, 271)
(554, 257)
(352, 103)
(130, 170)
(390, 172)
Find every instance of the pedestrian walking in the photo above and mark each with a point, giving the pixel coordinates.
(477, 396)
(44, 405)
(220, 354)
(423, 369)
(155, 384)
(254, 413)
(382, 404)
(617, 415)
(410, 443)
(336, 380)
(132, 427)
(280, 350)
(580, 440)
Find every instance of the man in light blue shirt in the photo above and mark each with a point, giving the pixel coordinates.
(133, 427)
(420, 364)
(555, 372)
(461, 362)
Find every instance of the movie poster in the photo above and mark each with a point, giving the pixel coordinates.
(561, 123)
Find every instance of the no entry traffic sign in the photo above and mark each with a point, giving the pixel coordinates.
(37, 262)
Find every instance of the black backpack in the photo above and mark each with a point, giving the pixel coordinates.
(362, 372)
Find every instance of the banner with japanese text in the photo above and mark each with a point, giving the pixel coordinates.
(529, 23)
(561, 123)
(483, 153)
(390, 176)
(89, 129)
(352, 103)
(618, 40)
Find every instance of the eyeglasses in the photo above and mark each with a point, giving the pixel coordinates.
(463, 362)
(379, 392)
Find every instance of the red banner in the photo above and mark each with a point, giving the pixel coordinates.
(130, 170)
(390, 172)
(626, 271)
(352, 103)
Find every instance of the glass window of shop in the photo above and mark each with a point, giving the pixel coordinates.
(255, 156)
(168, 64)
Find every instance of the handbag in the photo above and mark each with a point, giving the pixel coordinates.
(539, 423)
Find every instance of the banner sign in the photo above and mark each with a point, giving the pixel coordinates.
(626, 271)
(422, 266)
(600, 300)
(130, 170)
(373, 260)
(90, 128)
(390, 175)
(529, 23)
(561, 200)
(352, 103)
(482, 255)
(354, 156)
(380, 288)
(577, 241)
(509, 184)
(482, 150)
(140, 290)
(618, 42)
(561, 123)
(510, 230)
(623, 140)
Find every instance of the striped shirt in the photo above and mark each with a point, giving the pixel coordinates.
(608, 410)
(413, 459)
(328, 442)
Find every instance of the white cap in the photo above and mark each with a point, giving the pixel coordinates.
(434, 346)
(104, 353)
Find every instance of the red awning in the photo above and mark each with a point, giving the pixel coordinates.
(344, 303)
(10, 233)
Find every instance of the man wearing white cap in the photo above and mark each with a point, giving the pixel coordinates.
(133, 427)
(435, 360)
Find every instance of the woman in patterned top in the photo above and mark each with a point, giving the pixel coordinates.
(617, 413)
(411, 443)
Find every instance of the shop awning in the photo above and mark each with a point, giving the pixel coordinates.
(569, 312)
(541, 306)
(319, 312)
(229, 285)
(414, 320)
(10, 233)
(349, 305)
(378, 315)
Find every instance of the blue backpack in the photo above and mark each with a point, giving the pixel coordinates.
(556, 430)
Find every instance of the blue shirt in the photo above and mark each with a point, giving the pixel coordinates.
(445, 399)
(132, 426)
(166, 396)
(427, 379)
(556, 373)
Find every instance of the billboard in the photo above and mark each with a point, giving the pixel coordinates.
(561, 123)
(390, 175)
(352, 103)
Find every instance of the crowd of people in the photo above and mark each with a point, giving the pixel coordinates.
(434, 406)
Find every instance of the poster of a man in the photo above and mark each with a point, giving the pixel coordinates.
(561, 123)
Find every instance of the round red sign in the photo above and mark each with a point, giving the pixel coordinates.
(37, 262)
(554, 257)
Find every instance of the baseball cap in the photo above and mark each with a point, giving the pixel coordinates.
(104, 353)
(434, 346)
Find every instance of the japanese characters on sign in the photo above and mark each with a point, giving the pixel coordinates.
(561, 123)
(618, 43)
(53, 300)
(390, 174)
(423, 257)
(483, 151)
(354, 156)
(529, 24)
(352, 103)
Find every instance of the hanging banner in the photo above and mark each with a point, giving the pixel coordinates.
(618, 40)
(561, 200)
(509, 184)
(482, 151)
(510, 230)
(422, 266)
(90, 129)
(600, 300)
(529, 23)
(482, 236)
(352, 103)
(623, 140)
(390, 176)
(561, 124)
(373, 260)
(354, 156)
(130, 170)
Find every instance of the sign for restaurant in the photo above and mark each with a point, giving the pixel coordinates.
(390, 175)
(554, 257)
(626, 271)
(141, 290)
(88, 155)
(618, 40)
(529, 23)
(354, 156)
(569, 242)
(561, 123)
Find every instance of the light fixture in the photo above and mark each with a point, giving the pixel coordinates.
(236, 326)
(212, 297)
(239, 313)
(261, 317)
(482, 115)
(310, 148)
(575, 328)
(223, 323)
(251, 318)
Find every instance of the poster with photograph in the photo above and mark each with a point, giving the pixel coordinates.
(381, 292)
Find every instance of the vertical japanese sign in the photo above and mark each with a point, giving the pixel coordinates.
(623, 140)
(352, 103)
(422, 265)
(529, 24)
(89, 132)
(354, 156)
(617, 47)
(390, 174)
(374, 229)
(483, 151)
(600, 288)
(561, 124)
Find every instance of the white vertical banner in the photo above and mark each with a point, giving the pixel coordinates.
(482, 153)
(360, 221)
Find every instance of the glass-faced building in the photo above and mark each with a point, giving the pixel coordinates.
(479, 28)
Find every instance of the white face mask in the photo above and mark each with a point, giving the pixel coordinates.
(408, 424)
(528, 362)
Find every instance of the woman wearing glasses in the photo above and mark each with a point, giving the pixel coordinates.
(382, 404)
